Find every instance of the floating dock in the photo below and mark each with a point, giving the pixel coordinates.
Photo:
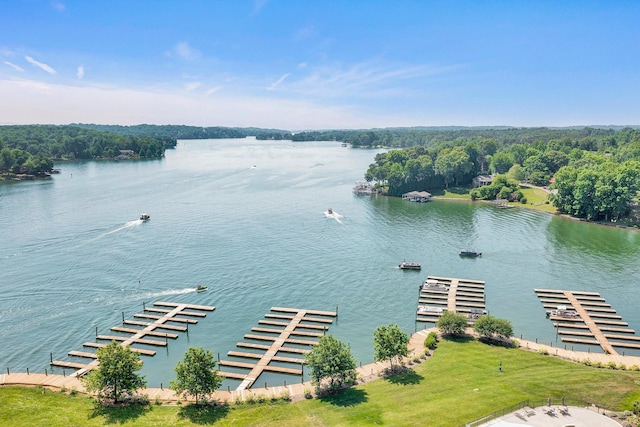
(440, 294)
(585, 318)
(300, 323)
(138, 336)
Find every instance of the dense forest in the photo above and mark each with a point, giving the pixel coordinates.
(593, 173)
(31, 149)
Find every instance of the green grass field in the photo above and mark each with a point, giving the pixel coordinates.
(460, 383)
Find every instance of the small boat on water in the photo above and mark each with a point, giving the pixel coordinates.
(329, 211)
(562, 311)
(145, 217)
(410, 265)
(472, 253)
(201, 288)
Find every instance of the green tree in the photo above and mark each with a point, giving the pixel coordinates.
(196, 374)
(451, 323)
(501, 162)
(492, 327)
(390, 343)
(331, 360)
(453, 164)
(115, 376)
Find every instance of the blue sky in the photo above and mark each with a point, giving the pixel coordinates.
(322, 64)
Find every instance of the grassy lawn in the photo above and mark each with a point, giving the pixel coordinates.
(536, 197)
(459, 383)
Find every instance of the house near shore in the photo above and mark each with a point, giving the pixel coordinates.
(125, 154)
(417, 196)
(482, 180)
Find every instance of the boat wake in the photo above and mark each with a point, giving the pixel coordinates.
(171, 292)
(129, 224)
(333, 214)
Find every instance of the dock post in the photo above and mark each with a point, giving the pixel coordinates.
(285, 383)
(8, 371)
(50, 357)
(161, 386)
(123, 317)
(218, 357)
(229, 389)
(27, 371)
(166, 338)
(96, 331)
(265, 385)
(143, 307)
(64, 374)
(45, 372)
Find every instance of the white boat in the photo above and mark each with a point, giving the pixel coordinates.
(144, 217)
(410, 265)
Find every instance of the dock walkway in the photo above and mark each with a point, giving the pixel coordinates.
(297, 318)
(590, 321)
(137, 336)
(440, 294)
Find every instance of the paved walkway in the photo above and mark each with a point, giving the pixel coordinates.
(296, 392)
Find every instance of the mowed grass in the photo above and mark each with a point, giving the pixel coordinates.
(459, 383)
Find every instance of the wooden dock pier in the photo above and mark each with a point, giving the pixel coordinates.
(585, 318)
(137, 336)
(312, 320)
(440, 294)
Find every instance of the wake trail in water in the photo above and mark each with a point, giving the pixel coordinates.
(335, 215)
(170, 292)
(129, 224)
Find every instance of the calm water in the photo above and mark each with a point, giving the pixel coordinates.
(73, 257)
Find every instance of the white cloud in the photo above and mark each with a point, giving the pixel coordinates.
(28, 101)
(42, 66)
(367, 79)
(302, 65)
(213, 90)
(182, 50)
(14, 66)
(58, 6)
(257, 6)
(80, 72)
(275, 85)
(192, 86)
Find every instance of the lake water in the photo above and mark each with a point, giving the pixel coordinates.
(246, 218)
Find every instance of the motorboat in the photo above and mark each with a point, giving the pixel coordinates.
(329, 211)
(410, 265)
(145, 217)
(201, 288)
(562, 311)
(472, 253)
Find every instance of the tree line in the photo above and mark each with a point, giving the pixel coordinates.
(593, 173)
(33, 148)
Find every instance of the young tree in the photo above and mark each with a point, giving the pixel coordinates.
(491, 327)
(196, 374)
(390, 343)
(331, 359)
(451, 323)
(116, 376)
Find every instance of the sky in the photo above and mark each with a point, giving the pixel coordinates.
(320, 64)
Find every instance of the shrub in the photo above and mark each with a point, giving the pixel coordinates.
(543, 351)
(622, 367)
(597, 364)
(285, 397)
(251, 399)
(307, 394)
(611, 365)
(261, 399)
(587, 362)
(430, 342)
(634, 368)
(523, 200)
